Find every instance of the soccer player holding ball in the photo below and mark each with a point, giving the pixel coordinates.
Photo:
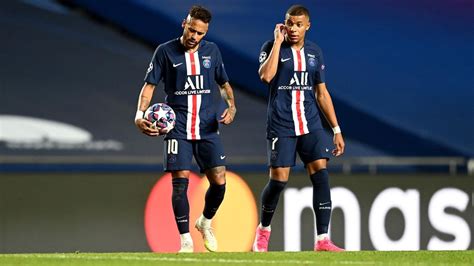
(293, 68)
(194, 81)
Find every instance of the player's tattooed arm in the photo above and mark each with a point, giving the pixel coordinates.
(228, 95)
(144, 100)
(145, 96)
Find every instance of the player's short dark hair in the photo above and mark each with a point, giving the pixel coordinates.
(297, 10)
(201, 13)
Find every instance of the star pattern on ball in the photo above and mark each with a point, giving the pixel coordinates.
(161, 113)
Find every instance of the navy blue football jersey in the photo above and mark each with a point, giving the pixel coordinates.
(292, 106)
(191, 84)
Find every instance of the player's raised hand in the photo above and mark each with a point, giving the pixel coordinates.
(228, 115)
(338, 144)
(279, 32)
(146, 127)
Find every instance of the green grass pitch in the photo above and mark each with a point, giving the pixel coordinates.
(427, 258)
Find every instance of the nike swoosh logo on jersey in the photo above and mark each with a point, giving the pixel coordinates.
(284, 59)
(178, 64)
(222, 157)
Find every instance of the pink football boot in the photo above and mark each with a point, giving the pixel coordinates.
(262, 237)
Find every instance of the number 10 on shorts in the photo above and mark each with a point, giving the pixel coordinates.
(172, 146)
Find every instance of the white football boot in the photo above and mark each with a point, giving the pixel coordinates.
(203, 225)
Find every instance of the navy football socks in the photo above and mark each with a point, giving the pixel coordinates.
(180, 204)
(270, 196)
(321, 200)
(213, 199)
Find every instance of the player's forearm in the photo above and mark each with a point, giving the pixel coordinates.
(269, 68)
(228, 94)
(145, 97)
(327, 107)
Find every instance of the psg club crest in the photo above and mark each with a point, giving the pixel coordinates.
(171, 158)
(206, 63)
(312, 62)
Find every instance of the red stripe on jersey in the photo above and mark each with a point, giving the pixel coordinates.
(298, 112)
(299, 61)
(193, 118)
(298, 96)
(194, 106)
(193, 64)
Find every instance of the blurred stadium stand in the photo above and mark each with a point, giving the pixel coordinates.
(400, 74)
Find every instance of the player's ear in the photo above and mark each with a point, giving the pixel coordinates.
(183, 24)
(309, 25)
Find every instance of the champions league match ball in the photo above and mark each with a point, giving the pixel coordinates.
(161, 115)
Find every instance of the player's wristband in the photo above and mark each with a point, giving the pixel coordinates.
(336, 130)
(139, 115)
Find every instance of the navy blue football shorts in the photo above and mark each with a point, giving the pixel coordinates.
(178, 154)
(281, 151)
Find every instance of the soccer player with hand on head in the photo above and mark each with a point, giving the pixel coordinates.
(194, 81)
(293, 68)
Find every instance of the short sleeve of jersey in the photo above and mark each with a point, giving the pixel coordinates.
(320, 76)
(157, 64)
(220, 75)
(265, 51)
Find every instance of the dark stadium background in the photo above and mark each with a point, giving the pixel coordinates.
(400, 73)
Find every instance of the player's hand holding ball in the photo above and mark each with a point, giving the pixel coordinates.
(159, 119)
(146, 127)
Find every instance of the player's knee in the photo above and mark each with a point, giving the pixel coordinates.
(316, 166)
(216, 175)
(180, 174)
(320, 177)
(279, 174)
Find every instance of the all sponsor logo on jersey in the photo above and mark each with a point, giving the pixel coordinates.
(299, 81)
(193, 86)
